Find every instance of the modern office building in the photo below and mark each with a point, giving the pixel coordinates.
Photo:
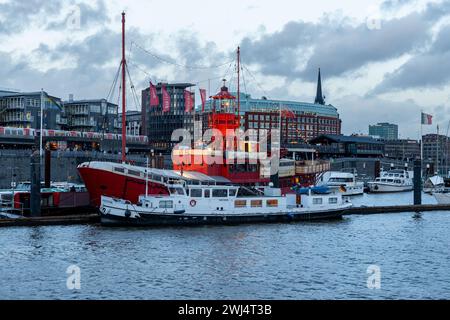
(96, 115)
(384, 130)
(23, 110)
(157, 125)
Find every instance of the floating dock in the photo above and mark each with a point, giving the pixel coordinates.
(51, 221)
(364, 210)
(95, 218)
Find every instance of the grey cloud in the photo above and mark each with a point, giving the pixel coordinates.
(89, 16)
(427, 69)
(16, 15)
(338, 47)
(372, 109)
(395, 4)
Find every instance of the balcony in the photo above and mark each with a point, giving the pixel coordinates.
(61, 121)
(15, 107)
(83, 123)
(16, 119)
(312, 167)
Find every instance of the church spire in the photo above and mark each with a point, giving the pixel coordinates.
(319, 95)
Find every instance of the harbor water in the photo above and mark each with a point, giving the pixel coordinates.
(320, 260)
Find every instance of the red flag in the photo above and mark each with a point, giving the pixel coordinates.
(286, 113)
(166, 99)
(203, 96)
(188, 101)
(154, 99)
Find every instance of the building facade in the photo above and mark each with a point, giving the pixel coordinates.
(157, 125)
(436, 152)
(23, 110)
(386, 131)
(305, 121)
(339, 146)
(133, 122)
(402, 149)
(97, 115)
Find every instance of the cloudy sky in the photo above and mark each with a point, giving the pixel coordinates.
(381, 60)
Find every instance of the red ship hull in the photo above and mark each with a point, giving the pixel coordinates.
(100, 182)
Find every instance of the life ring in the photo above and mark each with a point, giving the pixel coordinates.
(193, 203)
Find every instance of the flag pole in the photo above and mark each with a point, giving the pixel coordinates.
(421, 139)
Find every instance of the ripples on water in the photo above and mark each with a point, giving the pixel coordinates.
(326, 260)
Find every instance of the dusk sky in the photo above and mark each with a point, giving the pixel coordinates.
(381, 61)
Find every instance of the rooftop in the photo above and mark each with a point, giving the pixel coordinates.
(345, 139)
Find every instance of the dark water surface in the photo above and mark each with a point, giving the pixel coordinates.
(277, 261)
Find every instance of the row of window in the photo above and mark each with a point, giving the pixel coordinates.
(268, 118)
(215, 193)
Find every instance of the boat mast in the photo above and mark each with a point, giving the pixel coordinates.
(41, 127)
(239, 83)
(124, 63)
(146, 178)
(437, 150)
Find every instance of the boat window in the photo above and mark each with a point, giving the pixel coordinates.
(176, 191)
(341, 180)
(122, 170)
(220, 193)
(134, 173)
(272, 203)
(232, 192)
(240, 204)
(333, 200)
(196, 193)
(256, 203)
(398, 181)
(207, 193)
(317, 201)
(166, 204)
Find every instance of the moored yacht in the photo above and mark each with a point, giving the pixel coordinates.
(345, 181)
(202, 205)
(434, 184)
(396, 180)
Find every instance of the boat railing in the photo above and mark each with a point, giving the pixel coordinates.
(12, 205)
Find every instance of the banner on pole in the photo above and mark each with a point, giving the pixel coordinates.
(166, 99)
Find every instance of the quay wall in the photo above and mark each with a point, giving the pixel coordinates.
(15, 165)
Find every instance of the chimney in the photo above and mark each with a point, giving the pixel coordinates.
(71, 97)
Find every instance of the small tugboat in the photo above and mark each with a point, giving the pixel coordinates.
(204, 205)
(392, 181)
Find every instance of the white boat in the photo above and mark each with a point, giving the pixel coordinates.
(345, 181)
(434, 184)
(396, 180)
(442, 197)
(203, 204)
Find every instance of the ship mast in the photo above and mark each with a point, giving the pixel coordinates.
(124, 63)
(239, 83)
